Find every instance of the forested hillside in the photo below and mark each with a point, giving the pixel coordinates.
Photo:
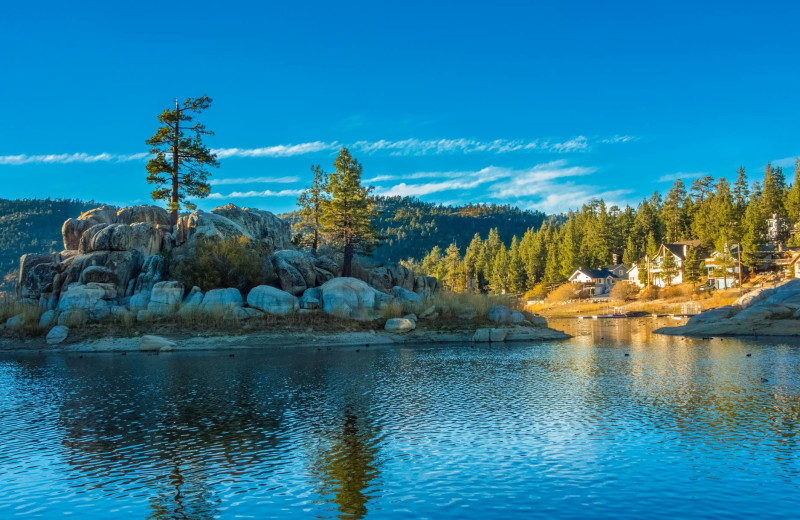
(32, 226)
(711, 211)
(410, 227)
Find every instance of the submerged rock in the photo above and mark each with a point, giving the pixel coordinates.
(150, 343)
(400, 325)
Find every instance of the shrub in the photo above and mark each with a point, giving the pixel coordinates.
(678, 291)
(623, 292)
(538, 292)
(563, 293)
(649, 293)
(215, 263)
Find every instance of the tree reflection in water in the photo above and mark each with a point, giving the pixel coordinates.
(348, 468)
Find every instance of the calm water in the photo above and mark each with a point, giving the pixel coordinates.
(572, 429)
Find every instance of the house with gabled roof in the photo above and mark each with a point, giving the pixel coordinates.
(723, 269)
(597, 282)
(678, 250)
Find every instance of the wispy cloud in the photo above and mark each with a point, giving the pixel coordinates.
(254, 180)
(403, 147)
(549, 186)
(619, 139)
(469, 146)
(786, 162)
(67, 158)
(672, 177)
(254, 194)
(281, 150)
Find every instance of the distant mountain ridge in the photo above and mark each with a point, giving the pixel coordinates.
(32, 226)
(411, 227)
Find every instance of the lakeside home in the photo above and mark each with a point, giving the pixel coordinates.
(660, 276)
(598, 282)
(723, 268)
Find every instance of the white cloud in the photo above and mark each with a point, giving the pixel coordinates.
(254, 180)
(618, 139)
(542, 186)
(467, 146)
(253, 194)
(672, 177)
(67, 158)
(281, 150)
(786, 162)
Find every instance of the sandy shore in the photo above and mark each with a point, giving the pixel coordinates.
(184, 341)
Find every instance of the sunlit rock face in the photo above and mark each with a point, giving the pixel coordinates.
(773, 311)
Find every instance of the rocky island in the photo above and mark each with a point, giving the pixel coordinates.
(124, 266)
(766, 311)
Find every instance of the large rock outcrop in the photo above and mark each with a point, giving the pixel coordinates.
(36, 275)
(230, 221)
(295, 271)
(768, 311)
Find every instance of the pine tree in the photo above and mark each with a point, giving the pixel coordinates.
(310, 203)
(179, 168)
(453, 267)
(516, 269)
(631, 253)
(499, 282)
(691, 266)
(673, 212)
(669, 269)
(741, 193)
(793, 196)
(348, 212)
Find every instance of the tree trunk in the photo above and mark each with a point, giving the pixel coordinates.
(347, 264)
(175, 163)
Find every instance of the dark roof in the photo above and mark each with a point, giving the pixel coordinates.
(677, 247)
(597, 273)
(614, 266)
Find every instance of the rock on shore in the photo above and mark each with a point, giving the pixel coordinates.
(768, 311)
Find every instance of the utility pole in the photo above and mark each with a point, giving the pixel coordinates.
(739, 258)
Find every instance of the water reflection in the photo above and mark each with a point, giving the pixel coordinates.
(623, 422)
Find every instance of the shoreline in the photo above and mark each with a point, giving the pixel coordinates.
(262, 339)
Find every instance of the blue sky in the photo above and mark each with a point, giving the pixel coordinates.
(542, 105)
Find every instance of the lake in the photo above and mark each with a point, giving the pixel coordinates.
(614, 423)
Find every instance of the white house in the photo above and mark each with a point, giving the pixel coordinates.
(678, 251)
(633, 275)
(597, 282)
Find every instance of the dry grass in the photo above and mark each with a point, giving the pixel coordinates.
(29, 314)
(664, 301)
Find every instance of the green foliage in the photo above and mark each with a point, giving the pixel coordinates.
(348, 213)
(691, 266)
(179, 167)
(669, 269)
(310, 203)
(214, 263)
